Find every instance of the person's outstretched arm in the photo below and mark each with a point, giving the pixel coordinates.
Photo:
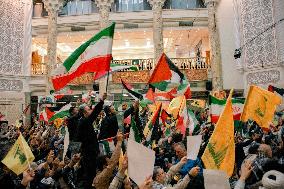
(98, 108)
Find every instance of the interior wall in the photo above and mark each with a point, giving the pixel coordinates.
(232, 77)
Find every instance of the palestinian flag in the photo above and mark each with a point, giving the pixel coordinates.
(64, 111)
(136, 95)
(217, 105)
(184, 89)
(148, 98)
(25, 110)
(166, 95)
(114, 68)
(45, 114)
(58, 96)
(108, 146)
(280, 91)
(164, 116)
(183, 120)
(134, 132)
(165, 73)
(94, 55)
(151, 123)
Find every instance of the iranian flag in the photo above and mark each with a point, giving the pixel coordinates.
(114, 68)
(165, 73)
(94, 55)
(64, 111)
(217, 106)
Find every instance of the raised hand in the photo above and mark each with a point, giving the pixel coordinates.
(246, 170)
(28, 176)
(183, 160)
(194, 171)
(124, 163)
(119, 137)
(147, 184)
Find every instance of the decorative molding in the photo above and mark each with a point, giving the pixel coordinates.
(263, 77)
(131, 77)
(257, 16)
(11, 85)
(12, 17)
(196, 75)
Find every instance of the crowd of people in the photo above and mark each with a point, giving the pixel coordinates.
(259, 159)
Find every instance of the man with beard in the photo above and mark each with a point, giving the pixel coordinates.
(88, 137)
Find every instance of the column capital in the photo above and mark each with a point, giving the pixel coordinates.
(104, 3)
(156, 3)
(211, 1)
(53, 6)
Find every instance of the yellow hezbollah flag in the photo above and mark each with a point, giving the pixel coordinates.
(260, 106)
(220, 151)
(175, 105)
(19, 156)
(198, 103)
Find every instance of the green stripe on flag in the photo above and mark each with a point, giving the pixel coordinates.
(214, 100)
(161, 85)
(107, 32)
(238, 100)
(135, 130)
(59, 115)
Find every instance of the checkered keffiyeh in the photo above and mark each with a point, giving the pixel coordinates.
(157, 185)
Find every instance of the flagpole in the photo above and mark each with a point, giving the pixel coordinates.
(107, 80)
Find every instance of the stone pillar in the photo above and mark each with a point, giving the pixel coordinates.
(104, 10)
(216, 65)
(52, 7)
(157, 27)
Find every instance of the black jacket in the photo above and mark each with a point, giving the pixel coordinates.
(109, 127)
(72, 124)
(86, 133)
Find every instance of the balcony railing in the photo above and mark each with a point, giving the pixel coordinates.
(143, 64)
(84, 7)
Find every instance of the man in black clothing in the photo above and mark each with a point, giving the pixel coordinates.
(72, 124)
(109, 125)
(88, 137)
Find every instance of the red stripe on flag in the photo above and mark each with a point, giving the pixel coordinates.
(94, 65)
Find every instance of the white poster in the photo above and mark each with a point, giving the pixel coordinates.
(140, 161)
(193, 146)
(215, 179)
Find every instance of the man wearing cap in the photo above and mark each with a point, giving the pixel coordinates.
(88, 137)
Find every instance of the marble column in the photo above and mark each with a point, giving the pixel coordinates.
(104, 10)
(157, 6)
(216, 65)
(52, 7)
